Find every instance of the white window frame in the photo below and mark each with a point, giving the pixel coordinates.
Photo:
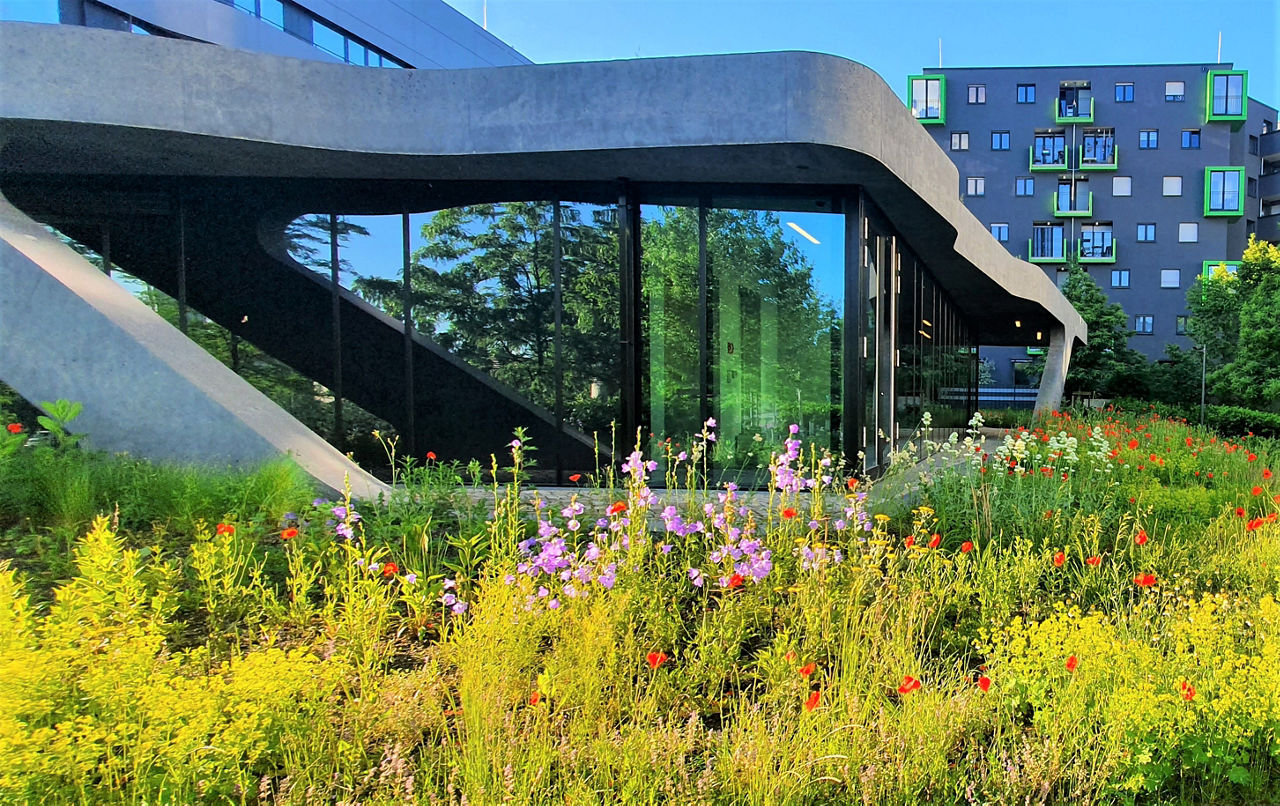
(1188, 232)
(1118, 182)
(1171, 278)
(1171, 186)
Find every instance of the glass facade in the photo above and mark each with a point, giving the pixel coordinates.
(665, 309)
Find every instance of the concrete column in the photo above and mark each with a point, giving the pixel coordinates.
(1056, 361)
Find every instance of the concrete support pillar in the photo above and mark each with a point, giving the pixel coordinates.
(1054, 380)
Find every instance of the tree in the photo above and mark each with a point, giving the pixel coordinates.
(1236, 318)
(1107, 365)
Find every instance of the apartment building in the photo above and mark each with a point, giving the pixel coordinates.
(1149, 174)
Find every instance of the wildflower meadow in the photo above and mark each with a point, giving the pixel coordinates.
(1079, 611)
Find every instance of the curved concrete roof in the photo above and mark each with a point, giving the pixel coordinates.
(77, 100)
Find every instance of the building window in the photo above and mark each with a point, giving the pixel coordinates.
(1144, 323)
(1124, 92)
(927, 101)
(975, 186)
(1180, 325)
(1188, 232)
(1025, 186)
(1253, 188)
(1119, 278)
(977, 93)
(1253, 145)
(1170, 278)
(1222, 191)
(1146, 233)
(1190, 138)
(999, 141)
(1227, 91)
(1096, 241)
(1047, 241)
(1000, 232)
(959, 141)
(1049, 148)
(1175, 91)
(1026, 93)
(1172, 186)
(1121, 186)
(1149, 138)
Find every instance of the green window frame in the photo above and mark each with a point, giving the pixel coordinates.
(1218, 194)
(1218, 103)
(927, 98)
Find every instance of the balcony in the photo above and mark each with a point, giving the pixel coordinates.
(1269, 186)
(1074, 210)
(1269, 144)
(1042, 255)
(1104, 253)
(1093, 164)
(1064, 112)
(1046, 160)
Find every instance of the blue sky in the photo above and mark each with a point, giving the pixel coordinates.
(898, 37)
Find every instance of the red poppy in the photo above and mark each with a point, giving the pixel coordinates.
(1133, 443)
(1048, 514)
(1240, 513)
(909, 684)
(1059, 559)
(735, 581)
(1256, 523)
(910, 541)
(812, 702)
(1095, 561)
(851, 483)
(1188, 691)
(14, 428)
(1266, 473)
(431, 456)
(617, 506)
(935, 541)
(390, 569)
(807, 669)
(789, 512)
(225, 529)
(1072, 663)
(790, 656)
(1189, 442)
(1253, 457)
(1144, 580)
(984, 683)
(1141, 537)
(575, 477)
(535, 698)
(655, 659)
(289, 534)
(966, 547)
(1256, 491)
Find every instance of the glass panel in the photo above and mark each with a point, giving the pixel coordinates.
(29, 11)
(670, 287)
(590, 355)
(272, 12)
(776, 285)
(1050, 149)
(355, 52)
(328, 39)
(247, 6)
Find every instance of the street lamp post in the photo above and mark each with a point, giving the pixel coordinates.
(1204, 364)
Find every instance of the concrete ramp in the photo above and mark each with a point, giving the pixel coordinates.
(69, 331)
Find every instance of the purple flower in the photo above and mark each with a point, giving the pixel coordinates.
(319, 502)
(665, 548)
(344, 530)
(695, 576)
(448, 599)
(410, 578)
(515, 443)
(459, 608)
(793, 428)
(510, 579)
(340, 512)
(554, 604)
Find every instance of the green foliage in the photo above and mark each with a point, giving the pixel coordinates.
(372, 656)
(1107, 365)
(1238, 421)
(1236, 318)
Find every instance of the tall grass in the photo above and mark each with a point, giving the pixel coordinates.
(1075, 613)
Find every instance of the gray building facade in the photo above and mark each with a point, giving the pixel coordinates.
(422, 34)
(1151, 174)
